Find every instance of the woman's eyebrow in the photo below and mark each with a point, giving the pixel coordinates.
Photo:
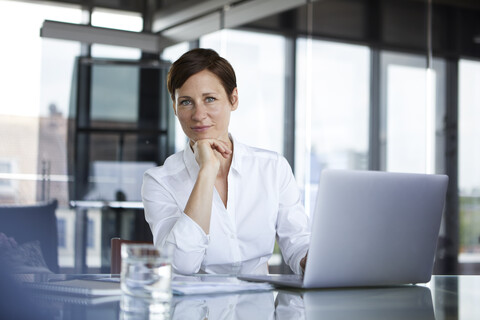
(203, 94)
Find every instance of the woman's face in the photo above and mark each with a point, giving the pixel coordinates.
(203, 107)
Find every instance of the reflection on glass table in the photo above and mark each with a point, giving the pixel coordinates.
(445, 297)
(405, 302)
(232, 306)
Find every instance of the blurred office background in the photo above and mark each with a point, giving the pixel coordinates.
(389, 85)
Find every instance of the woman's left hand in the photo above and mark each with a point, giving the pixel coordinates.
(303, 262)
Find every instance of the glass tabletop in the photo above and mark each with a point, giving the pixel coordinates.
(444, 297)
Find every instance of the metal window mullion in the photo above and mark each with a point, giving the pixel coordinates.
(374, 117)
(289, 101)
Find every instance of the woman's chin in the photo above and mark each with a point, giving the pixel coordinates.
(202, 136)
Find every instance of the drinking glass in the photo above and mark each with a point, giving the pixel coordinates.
(146, 274)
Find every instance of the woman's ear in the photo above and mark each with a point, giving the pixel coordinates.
(234, 99)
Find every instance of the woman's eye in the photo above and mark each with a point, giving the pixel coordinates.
(210, 99)
(185, 102)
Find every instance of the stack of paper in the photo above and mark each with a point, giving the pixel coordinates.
(181, 285)
(210, 285)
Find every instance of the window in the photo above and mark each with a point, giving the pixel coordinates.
(5, 167)
(114, 95)
(332, 111)
(7, 183)
(468, 160)
(94, 238)
(171, 54)
(32, 124)
(22, 52)
(90, 234)
(116, 20)
(61, 227)
(412, 107)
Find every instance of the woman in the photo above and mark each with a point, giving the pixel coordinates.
(220, 204)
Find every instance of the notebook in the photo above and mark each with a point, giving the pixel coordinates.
(75, 299)
(371, 228)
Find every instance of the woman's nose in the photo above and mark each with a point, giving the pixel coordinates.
(199, 112)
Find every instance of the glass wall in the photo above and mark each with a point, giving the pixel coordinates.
(37, 86)
(32, 118)
(34, 101)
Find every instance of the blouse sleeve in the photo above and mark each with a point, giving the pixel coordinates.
(292, 221)
(171, 227)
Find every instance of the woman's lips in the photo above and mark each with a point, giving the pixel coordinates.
(200, 128)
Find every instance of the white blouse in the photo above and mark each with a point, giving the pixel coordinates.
(263, 203)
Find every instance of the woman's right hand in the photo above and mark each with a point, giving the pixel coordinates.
(208, 153)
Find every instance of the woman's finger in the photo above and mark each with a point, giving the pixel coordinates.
(221, 147)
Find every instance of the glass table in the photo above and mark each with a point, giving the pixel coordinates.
(444, 297)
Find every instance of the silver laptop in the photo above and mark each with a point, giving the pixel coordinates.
(371, 228)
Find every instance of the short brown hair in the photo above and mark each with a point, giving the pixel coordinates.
(197, 60)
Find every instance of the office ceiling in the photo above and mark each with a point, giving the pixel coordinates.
(170, 21)
(153, 10)
(142, 6)
(173, 21)
(139, 6)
